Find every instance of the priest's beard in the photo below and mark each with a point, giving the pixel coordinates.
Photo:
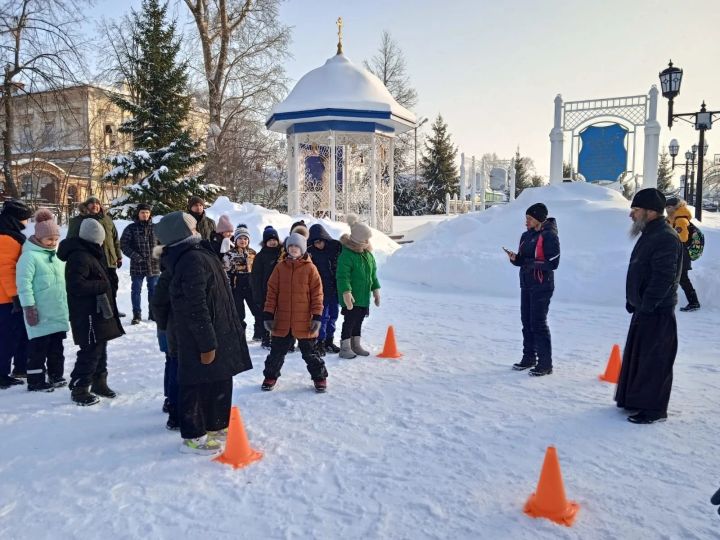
(638, 224)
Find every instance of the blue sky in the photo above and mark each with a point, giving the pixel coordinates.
(492, 69)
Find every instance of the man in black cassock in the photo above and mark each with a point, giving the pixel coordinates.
(651, 294)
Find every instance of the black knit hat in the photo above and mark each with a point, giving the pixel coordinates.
(192, 201)
(270, 233)
(143, 206)
(538, 211)
(649, 199)
(17, 209)
(672, 201)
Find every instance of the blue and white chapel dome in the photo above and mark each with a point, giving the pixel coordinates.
(341, 96)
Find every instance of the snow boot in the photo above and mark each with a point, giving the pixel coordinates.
(137, 318)
(346, 349)
(100, 387)
(58, 381)
(7, 382)
(357, 348)
(538, 371)
(200, 445)
(40, 387)
(692, 306)
(331, 347)
(647, 417)
(81, 396)
(268, 384)
(121, 314)
(172, 424)
(265, 343)
(166, 406)
(320, 386)
(18, 374)
(524, 364)
(319, 348)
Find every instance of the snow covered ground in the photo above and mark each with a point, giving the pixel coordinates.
(446, 442)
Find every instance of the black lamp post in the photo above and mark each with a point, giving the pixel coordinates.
(670, 79)
(674, 148)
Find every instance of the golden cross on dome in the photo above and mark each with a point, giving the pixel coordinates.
(339, 23)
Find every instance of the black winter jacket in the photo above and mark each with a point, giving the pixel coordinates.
(86, 278)
(204, 317)
(539, 256)
(654, 271)
(162, 310)
(325, 259)
(263, 267)
(137, 242)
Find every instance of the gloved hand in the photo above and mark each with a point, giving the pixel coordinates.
(315, 326)
(629, 308)
(715, 499)
(31, 315)
(16, 307)
(376, 295)
(119, 263)
(269, 325)
(348, 299)
(207, 357)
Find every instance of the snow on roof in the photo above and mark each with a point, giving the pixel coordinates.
(340, 84)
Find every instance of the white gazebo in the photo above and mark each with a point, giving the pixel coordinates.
(340, 122)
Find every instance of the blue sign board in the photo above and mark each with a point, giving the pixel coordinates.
(603, 155)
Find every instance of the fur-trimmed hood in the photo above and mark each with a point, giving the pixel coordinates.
(351, 244)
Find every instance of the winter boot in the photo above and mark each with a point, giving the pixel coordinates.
(40, 387)
(320, 386)
(137, 317)
(81, 395)
(18, 374)
(265, 344)
(346, 349)
(58, 381)
(525, 363)
(357, 348)
(693, 303)
(537, 371)
(172, 424)
(100, 387)
(331, 347)
(647, 417)
(201, 445)
(7, 382)
(268, 384)
(319, 348)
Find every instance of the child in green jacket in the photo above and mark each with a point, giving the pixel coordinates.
(41, 288)
(356, 280)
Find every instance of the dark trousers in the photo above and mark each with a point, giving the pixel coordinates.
(45, 349)
(91, 361)
(534, 306)
(13, 340)
(352, 323)
(330, 313)
(242, 293)
(280, 347)
(205, 407)
(685, 283)
(172, 386)
(136, 289)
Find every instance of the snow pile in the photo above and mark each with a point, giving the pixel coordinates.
(257, 218)
(466, 252)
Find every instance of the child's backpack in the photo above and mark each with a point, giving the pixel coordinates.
(695, 242)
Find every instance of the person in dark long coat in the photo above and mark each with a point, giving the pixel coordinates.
(94, 317)
(211, 344)
(651, 295)
(538, 257)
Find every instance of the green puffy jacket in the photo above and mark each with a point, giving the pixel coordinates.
(111, 245)
(40, 281)
(356, 272)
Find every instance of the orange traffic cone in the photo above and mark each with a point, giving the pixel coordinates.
(390, 350)
(237, 448)
(612, 371)
(549, 499)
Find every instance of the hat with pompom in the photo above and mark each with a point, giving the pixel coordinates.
(269, 233)
(242, 230)
(359, 232)
(300, 228)
(45, 224)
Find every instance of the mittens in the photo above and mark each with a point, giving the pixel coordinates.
(315, 326)
(269, 325)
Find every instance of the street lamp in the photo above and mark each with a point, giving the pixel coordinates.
(417, 126)
(674, 148)
(670, 79)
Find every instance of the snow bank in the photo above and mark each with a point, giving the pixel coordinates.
(466, 252)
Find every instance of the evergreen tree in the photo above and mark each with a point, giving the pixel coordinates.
(665, 173)
(523, 169)
(165, 155)
(568, 171)
(438, 166)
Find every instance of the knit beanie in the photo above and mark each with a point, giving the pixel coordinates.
(269, 233)
(296, 239)
(92, 199)
(45, 225)
(241, 230)
(672, 201)
(92, 231)
(359, 232)
(649, 199)
(223, 225)
(174, 227)
(192, 201)
(17, 209)
(143, 206)
(300, 227)
(538, 211)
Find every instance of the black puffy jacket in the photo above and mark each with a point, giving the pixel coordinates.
(539, 256)
(325, 259)
(204, 317)
(262, 269)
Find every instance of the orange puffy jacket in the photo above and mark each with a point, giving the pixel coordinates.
(10, 250)
(294, 296)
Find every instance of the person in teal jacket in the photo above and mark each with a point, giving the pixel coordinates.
(41, 288)
(356, 280)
